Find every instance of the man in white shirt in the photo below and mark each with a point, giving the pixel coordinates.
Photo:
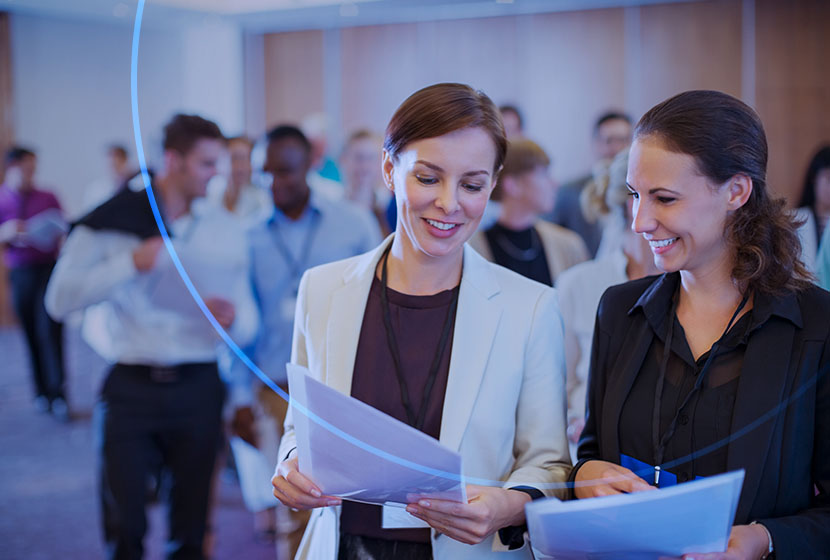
(161, 402)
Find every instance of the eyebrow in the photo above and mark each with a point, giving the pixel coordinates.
(652, 191)
(440, 170)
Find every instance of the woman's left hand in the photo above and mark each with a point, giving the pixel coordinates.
(746, 542)
(488, 510)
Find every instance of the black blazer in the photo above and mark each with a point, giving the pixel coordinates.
(781, 419)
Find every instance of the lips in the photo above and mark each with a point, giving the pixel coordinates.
(443, 226)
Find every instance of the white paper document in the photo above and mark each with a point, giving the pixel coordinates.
(691, 517)
(380, 460)
(211, 278)
(45, 229)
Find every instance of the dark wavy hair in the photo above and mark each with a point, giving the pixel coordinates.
(440, 109)
(726, 138)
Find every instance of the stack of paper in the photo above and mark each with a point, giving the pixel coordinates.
(356, 452)
(692, 517)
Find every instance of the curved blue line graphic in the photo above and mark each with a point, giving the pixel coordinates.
(768, 416)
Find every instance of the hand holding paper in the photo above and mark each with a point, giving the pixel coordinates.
(295, 490)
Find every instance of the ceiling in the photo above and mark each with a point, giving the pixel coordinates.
(280, 15)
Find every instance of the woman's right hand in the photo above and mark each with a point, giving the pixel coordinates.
(296, 491)
(601, 478)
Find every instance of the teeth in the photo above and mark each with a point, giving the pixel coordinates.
(441, 225)
(662, 242)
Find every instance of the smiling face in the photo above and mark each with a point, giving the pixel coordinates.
(441, 188)
(679, 211)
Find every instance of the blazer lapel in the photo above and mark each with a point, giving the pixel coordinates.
(348, 305)
(623, 373)
(476, 322)
(764, 376)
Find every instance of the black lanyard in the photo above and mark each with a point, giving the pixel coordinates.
(659, 443)
(296, 266)
(391, 339)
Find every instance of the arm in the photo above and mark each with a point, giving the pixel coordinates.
(86, 274)
(290, 486)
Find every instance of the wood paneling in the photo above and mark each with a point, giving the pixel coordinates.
(293, 76)
(565, 68)
(6, 139)
(793, 86)
(689, 46)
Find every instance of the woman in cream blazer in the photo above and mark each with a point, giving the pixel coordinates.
(504, 404)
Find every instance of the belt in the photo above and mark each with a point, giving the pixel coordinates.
(165, 374)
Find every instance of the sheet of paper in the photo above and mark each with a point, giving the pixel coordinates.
(209, 276)
(403, 464)
(44, 229)
(254, 475)
(691, 517)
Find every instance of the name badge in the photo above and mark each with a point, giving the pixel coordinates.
(396, 517)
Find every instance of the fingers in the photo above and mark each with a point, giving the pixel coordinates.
(297, 491)
(467, 523)
(601, 478)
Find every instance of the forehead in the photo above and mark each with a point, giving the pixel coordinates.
(614, 127)
(286, 150)
(457, 150)
(205, 148)
(652, 165)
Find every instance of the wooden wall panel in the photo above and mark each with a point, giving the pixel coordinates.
(572, 69)
(6, 139)
(689, 46)
(293, 76)
(793, 86)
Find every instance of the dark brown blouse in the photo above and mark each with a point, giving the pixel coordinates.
(417, 321)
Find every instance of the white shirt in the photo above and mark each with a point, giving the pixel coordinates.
(127, 323)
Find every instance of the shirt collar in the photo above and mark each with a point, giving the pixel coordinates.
(656, 301)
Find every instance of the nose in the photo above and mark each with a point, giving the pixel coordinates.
(447, 199)
(643, 220)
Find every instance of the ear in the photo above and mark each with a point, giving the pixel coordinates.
(739, 190)
(388, 170)
(172, 161)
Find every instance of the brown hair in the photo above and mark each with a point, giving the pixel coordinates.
(440, 109)
(183, 131)
(522, 155)
(726, 138)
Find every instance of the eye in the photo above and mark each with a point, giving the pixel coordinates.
(425, 180)
(634, 194)
(665, 199)
(472, 187)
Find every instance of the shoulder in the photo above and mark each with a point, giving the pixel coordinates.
(814, 305)
(518, 293)
(557, 234)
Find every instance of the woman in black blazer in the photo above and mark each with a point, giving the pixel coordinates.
(722, 362)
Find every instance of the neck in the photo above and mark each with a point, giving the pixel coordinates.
(712, 288)
(176, 204)
(231, 196)
(411, 272)
(516, 217)
(295, 210)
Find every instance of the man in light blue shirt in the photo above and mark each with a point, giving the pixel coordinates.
(306, 229)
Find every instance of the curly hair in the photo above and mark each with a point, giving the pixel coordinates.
(726, 138)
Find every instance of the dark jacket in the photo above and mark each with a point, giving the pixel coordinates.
(781, 418)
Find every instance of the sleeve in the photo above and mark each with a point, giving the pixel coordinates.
(240, 377)
(246, 324)
(597, 377)
(541, 445)
(299, 356)
(807, 533)
(574, 386)
(86, 273)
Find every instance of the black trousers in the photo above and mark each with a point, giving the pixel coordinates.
(354, 547)
(148, 416)
(44, 336)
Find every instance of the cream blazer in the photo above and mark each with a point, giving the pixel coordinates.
(504, 408)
